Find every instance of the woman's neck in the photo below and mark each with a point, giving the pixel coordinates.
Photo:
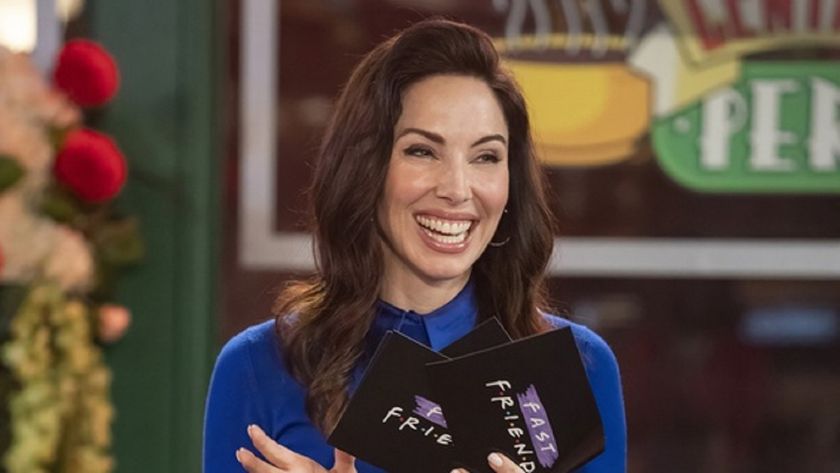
(410, 292)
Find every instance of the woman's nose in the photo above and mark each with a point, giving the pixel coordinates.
(453, 183)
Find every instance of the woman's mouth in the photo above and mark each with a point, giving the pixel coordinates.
(444, 232)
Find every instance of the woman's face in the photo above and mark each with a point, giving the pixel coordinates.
(447, 182)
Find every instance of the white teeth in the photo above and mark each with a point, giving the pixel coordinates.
(457, 228)
(447, 240)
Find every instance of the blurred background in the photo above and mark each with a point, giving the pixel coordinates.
(693, 153)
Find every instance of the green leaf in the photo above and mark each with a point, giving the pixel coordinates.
(60, 205)
(10, 172)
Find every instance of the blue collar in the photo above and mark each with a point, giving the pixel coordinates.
(437, 329)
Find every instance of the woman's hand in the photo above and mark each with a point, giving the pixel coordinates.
(281, 459)
(499, 463)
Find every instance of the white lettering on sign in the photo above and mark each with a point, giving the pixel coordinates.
(825, 126)
(725, 113)
(760, 18)
(766, 136)
(752, 16)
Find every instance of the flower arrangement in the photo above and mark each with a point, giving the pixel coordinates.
(62, 245)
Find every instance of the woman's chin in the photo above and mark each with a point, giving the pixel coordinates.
(441, 271)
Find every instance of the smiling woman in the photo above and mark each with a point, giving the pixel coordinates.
(446, 188)
(429, 217)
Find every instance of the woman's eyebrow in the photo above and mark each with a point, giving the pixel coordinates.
(428, 134)
(441, 140)
(487, 138)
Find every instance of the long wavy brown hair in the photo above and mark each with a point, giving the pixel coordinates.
(323, 321)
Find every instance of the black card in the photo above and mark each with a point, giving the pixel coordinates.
(392, 420)
(380, 426)
(487, 334)
(529, 399)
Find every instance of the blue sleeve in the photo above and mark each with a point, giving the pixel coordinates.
(602, 370)
(233, 402)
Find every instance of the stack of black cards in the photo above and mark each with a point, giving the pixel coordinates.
(417, 410)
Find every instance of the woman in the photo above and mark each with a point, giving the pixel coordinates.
(429, 216)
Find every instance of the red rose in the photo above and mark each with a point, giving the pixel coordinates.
(90, 165)
(86, 73)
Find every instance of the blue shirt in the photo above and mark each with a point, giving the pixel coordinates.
(251, 385)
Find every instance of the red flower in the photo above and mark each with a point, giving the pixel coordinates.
(90, 165)
(86, 73)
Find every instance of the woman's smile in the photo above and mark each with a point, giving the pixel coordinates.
(447, 235)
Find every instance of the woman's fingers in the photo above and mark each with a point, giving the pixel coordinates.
(252, 464)
(344, 462)
(278, 455)
(502, 464)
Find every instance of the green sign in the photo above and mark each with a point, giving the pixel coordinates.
(776, 130)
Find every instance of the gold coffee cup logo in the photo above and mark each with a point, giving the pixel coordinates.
(587, 106)
(584, 114)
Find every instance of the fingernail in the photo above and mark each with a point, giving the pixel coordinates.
(495, 459)
(238, 458)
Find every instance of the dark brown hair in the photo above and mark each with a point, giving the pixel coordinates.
(323, 321)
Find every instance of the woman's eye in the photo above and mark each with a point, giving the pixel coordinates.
(488, 158)
(419, 151)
